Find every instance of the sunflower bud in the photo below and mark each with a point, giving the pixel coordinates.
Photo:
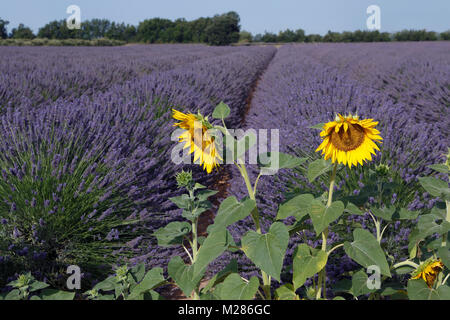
(382, 169)
(184, 179)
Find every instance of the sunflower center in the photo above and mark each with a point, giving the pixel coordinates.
(348, 140)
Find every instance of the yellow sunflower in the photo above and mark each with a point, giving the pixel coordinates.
(197, 138)
(349, 140)
(428, 271)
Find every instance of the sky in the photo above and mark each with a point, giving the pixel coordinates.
(257, 16)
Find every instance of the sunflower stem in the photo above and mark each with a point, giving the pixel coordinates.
(405, 263)
(447, 218)
(255, 215)
(322, 273)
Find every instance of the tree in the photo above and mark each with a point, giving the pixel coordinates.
(269, 37)
(224, 29)
(3, 31)
(286, 36)
(313, 38)
(58, 30)
(245, 36)
(300, 35)
(445, 35)
(22, 32)
(151, 30)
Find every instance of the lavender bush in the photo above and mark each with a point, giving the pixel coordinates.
(86, 179)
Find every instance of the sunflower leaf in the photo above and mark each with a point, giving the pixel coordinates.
(318, 126)
(317, 168)
(307, 262)
(366, 251)
(322, 216)
(234, 288)
(296, 207)
(440, 168)
(435, 187)
(221, 111)
(172, 234)
(231, 211)
(267, 250)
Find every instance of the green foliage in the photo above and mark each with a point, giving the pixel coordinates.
(3, 31)
(366, 250)
(26, 287)
(221, 111)
(223, 29)
(22, 32)
(231, 211)
(129, 284)
(307, 262)
(267, 250)
(236, 288)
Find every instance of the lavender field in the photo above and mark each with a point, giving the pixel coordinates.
(86, 143)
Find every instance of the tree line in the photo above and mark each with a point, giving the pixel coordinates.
(221, 29)
(218, 30)
(346, 36)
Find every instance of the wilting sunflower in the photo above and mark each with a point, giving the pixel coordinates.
(428, 271)
(349, 140)
(198, 139)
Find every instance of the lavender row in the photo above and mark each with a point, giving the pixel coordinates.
(306, 85)
(109, 154)
(32, 76)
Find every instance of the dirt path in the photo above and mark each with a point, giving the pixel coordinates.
(221, 184)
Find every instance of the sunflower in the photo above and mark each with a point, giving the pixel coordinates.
(349, 140)
(428, 271)
(198, 139)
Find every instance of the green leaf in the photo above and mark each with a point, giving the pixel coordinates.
(106, 285)
(231, 211)
(440, 168)
(353, 209)
(418, 290)
(366, 251)
(234, 288)
(138, 272)
(317, 168)
(199, 186)
(153, 295)
(435, 187)
(267, 251)
(444, 254)
(182, 274)
(152, 279)
(385, 213)
(307, 262)
(52, 294)
(297, 207)
(405, 214)
(182, 201)
(13, 295)
(37, 285)
(359, 284)
(434, 222)
(286, 292)
(318, 126)
(213, 246)
(221, 111)
(232, 267)
(202, 195)
(322, 216)
(172, 234)
(444, 292)
(273, 161)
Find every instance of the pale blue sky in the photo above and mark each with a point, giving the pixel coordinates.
(257, 16)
